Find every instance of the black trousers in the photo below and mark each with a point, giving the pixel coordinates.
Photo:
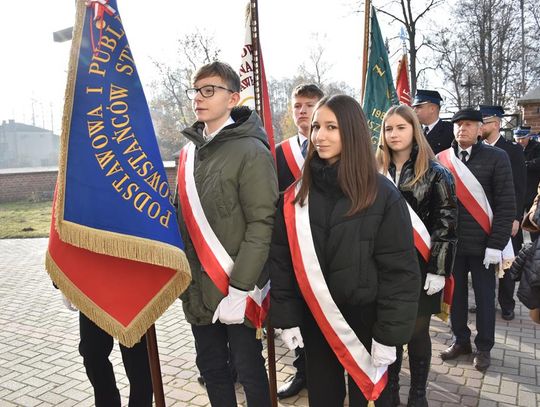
(299, 362)
(483, 281)
(326, 375)
(95, 347)
(506, 284)
(213, 343)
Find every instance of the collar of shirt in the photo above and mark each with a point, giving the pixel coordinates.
(468, 150)
(492, 144)
(301, 139)
(430, 126)
(208, 137)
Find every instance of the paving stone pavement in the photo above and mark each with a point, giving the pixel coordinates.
(40, 364)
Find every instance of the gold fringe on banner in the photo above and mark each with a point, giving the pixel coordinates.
(126, 335)
(445, 312)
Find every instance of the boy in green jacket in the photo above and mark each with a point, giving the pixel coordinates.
(227, 193)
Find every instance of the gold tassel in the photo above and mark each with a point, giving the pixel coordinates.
(371, 403)
(259, 333)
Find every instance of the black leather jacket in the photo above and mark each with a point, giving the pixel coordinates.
(434, 200)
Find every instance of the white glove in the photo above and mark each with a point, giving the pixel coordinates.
(434, 283)
(382, 355)
(292, 338)
(492, 256)
(68, 304)
(232, 308)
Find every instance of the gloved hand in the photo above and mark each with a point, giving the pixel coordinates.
(68, 304)
(382, 355)
(232, 308)
(492, 256)
(292, 338)
(434, 283)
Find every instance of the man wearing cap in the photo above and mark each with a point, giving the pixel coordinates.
(531, 148)
(492, 116)
(486, 211)
(427, 105)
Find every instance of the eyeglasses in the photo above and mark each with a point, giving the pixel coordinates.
(206, 91)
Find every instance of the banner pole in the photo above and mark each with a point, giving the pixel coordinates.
(271, 350)
(367, 14)
(155, 369)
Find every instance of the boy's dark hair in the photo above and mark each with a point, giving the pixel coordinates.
(308, 90)
(221, 69)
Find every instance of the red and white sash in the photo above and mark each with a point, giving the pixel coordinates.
(347, 347)
(468, 190)
(472, 196)
(293, 156)
(422, 238)
(213, 257)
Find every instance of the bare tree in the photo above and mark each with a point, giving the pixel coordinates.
(316, 69)
(410, 17)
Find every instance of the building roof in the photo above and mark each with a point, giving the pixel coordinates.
(532, 96)
(13, 127)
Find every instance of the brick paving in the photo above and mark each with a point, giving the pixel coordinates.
(40, 364)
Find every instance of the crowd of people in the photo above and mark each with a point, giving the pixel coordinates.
(356, 249)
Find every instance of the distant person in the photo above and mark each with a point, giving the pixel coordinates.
(228, 193)
(338, 268)
(290, 155)
(492, 116)
(405, 157)
(486, 211)
(531, 149)
(439, 133)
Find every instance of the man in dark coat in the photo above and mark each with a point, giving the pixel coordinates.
(303, 101)
(531, 148)
(492, 116)
(427, 105)
(479, 251)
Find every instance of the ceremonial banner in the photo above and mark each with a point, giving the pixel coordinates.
(247, 81)
(403, 88)
(115, 250)
(379, 91)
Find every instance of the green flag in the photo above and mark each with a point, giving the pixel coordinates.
(380, 92)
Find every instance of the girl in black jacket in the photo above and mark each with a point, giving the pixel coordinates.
(345, 280)
(405, 156)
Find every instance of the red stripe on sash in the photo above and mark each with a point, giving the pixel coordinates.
(421, 246)
(289, 158)
(464, 196)
(371, 390)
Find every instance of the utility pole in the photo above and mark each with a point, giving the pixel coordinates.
(523, 79)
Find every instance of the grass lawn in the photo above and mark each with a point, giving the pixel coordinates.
(25, 219)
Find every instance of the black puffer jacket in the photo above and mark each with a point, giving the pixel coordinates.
(491, 167)
(368, 259)
(433, 198)
(526, 270)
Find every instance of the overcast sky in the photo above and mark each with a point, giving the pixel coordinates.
(33, 68)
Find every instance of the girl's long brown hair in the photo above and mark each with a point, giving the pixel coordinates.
(357, 172)
(425, 153)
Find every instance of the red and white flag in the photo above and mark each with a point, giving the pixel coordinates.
(403, 87)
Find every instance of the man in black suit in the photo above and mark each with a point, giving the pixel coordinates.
(531, 148)
(427, 105)
(490, 132)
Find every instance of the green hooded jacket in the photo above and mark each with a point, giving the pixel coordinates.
(237, 185)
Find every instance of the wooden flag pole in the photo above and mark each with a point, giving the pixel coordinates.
(367, 15)
(259, 107)
(155, 369)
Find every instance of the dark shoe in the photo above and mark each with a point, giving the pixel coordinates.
(472, 309)
(508, 316)
(393, 377)
(292, 387)
(455, 350)
(419, 374)
(482, 360)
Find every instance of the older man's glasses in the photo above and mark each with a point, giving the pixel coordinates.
(206, 91)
